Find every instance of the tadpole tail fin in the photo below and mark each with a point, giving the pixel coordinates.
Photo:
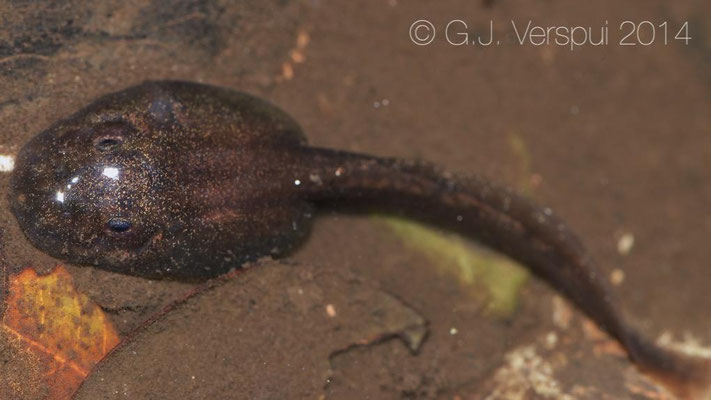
(505, 221)
(686, 376)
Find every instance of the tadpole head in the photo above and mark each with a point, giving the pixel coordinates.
(85, 192)
(163, 179)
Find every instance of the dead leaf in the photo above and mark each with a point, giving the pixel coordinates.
(61, 327)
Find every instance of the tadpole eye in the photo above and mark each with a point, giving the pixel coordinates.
(108, 143)
(119, 225)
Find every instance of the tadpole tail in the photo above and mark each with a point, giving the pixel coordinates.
(687, 376)
(499, 218)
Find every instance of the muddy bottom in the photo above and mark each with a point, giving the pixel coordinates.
(615, 138)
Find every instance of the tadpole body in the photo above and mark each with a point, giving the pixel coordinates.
(182, 180)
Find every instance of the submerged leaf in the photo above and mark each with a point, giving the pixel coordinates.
(476, 267)
(61, 327)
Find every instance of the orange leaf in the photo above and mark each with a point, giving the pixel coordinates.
(67, 332)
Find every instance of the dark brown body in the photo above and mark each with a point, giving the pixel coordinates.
(200, 180)
(185, 181)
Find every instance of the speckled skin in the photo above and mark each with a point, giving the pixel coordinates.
(196, 179)
(185, 181)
